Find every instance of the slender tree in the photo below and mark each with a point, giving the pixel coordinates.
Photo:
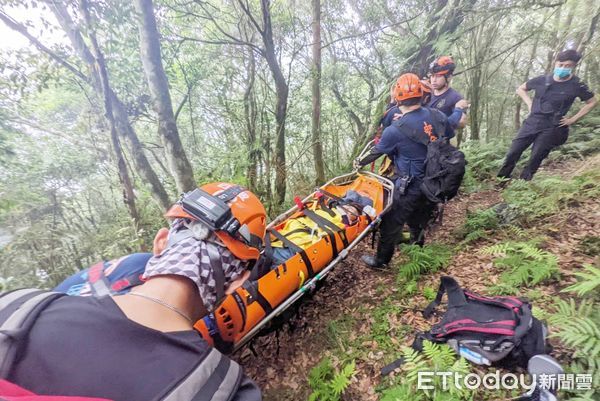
(316, 93)
(161, 97)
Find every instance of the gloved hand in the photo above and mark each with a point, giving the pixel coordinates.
(356, 164)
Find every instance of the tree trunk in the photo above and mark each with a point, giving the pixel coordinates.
(250, 121)
(159, 88)
(525, 78)
(100, 66)
(589, 34)
(123, 125)
(555, 41)
(316, 94)
(281, 92)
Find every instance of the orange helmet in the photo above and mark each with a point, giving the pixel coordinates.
(239, 216)
(442, 66)
(408, 86)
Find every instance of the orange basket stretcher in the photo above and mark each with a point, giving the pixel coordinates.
(247, 311)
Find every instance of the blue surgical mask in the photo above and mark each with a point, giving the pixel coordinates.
(562, 72)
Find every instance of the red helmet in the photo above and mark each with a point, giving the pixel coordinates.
(246, 208)
(442, 66)
(408, 86)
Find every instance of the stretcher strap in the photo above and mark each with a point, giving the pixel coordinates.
(325, 224)
(255, 295)
(325, 228)
(342, 201)
(294, 248)
(323, 206)
(332, 196)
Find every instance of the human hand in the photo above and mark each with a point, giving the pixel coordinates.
(463, 104)
(565, 122)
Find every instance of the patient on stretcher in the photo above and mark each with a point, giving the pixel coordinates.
(303, 231)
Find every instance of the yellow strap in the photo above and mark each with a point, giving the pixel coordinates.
(302, 278)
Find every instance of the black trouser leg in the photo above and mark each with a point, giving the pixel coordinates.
(524, 138)
(393, 222)
(417, 222)
(389, 230)
(543, 144)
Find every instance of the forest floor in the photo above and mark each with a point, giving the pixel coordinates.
(366, 316)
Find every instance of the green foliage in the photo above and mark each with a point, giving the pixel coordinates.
(327, 382)
(502, 288)
(418, 260)
(478, 225)
(590, 245)
(577, 326)
(435, 357)
(409, 288)
(429, 293)
(550, 194)
(485, 159)
(524, 262)
(589, 281)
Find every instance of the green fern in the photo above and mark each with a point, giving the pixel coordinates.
(419, 260)
(477, 225)
(525, 263)
(577, 326)
(434, 357)
(550, 194)
(589, 280)
(327, 383)
(515, 231)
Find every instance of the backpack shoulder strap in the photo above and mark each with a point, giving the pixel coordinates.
(18, 311)
(547, 82)
(414, 134)
(456, 296)
(439, 120)
(215, 378)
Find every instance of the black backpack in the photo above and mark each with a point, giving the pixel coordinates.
(499, 331)
(444, 171)
(487, 330)
(444, 166)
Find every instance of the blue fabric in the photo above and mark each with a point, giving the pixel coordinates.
(114, 270)
(280, 255)
(446, 102)
(392, 114)
(355, 197)
(407, 154)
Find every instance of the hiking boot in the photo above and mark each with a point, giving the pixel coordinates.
(371, 262)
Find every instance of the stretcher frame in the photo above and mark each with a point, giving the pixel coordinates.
(387, 185)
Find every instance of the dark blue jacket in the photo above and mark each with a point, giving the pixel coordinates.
(409, 155)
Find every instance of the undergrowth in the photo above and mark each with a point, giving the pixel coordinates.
(416, 260)
(478, 224)
(524, 264)
(548, 195)
(327, 382)
(434, 358)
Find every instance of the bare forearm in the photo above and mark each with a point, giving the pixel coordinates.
(525, 96)
(585, 109)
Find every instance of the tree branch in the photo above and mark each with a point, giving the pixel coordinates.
(15, 26)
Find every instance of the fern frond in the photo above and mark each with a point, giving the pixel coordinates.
(589, 280)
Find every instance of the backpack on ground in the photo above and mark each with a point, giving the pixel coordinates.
(499, 331)
(487, 330)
